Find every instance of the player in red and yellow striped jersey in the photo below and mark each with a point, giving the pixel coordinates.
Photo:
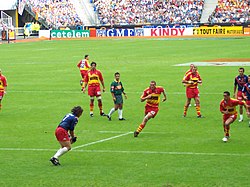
(92, 80)
(152, 97)
(228, 109)
(83, 66)
(3, 87)
(192, 79)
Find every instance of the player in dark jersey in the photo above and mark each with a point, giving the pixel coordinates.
(65, 133)
(239, 82)
(116, 89)
(246, 96)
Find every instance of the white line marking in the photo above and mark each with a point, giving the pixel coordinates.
(133, 152)
(103, 140)
(79, 92)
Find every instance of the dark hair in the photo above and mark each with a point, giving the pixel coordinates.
(93, 63)
(86, 56)
(117, 73)
(227, 93)
(242, 69)
(153, 82)
(77, 111)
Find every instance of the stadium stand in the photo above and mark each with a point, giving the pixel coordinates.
(231, 11)
(57, 13)
(148, 11)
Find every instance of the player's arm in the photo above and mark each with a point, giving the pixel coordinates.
(72, 137)
(145, 96)
(235, 87)
(186, 80)
(85, 83)
(164, 95)
(223, 110)
(79, 64)
(101, 80)
(125, 95)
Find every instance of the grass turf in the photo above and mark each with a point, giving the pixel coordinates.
(43, 85)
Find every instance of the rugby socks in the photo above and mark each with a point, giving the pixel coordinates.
(241, 117)
(226, 130)
(60, 152)
(139, 129)
(120, 114)
(185, 110)
(100, 107)
(111, 111)
(91, 106)
(198, 110)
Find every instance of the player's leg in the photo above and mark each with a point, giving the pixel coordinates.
(198, 108)
(112, 110)
(120, 105)
(226, 125)
(99, 99)
(91, 93)
(63, 139)
(241, 113)
(120, 112)
(240, 98)
(65, 147)
(143, 124)
(91, 106)
(1, 97)
(186, 106)
(197, 102)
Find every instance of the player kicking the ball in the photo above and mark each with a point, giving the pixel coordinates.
(67, 124)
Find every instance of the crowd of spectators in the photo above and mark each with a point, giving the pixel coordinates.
(231, 11)
(148, 11)
(57, 13)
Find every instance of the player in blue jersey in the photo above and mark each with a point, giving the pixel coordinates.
(246, 96)
(239, 82)
(65, 133)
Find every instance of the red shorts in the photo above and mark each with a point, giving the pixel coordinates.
(1, 95)
(94, 91)
(83, 73)
(152, 110)
(192, 93)
(239, 95)
(61, 134)
(227, 116)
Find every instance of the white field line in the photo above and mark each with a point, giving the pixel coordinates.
(79, 92)
(133, 152)
(100, 141)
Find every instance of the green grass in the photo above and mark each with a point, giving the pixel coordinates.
(43, 85)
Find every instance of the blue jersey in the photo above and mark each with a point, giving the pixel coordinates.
(240, 81)
(69, 122)
(246, 90)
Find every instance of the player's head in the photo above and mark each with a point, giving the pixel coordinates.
(191, 66)
(241, 71)
(77, 111)
(93, 65)
(86, 57)
(226, 95)
(117, 76)
(194, 69)
(152, 85)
